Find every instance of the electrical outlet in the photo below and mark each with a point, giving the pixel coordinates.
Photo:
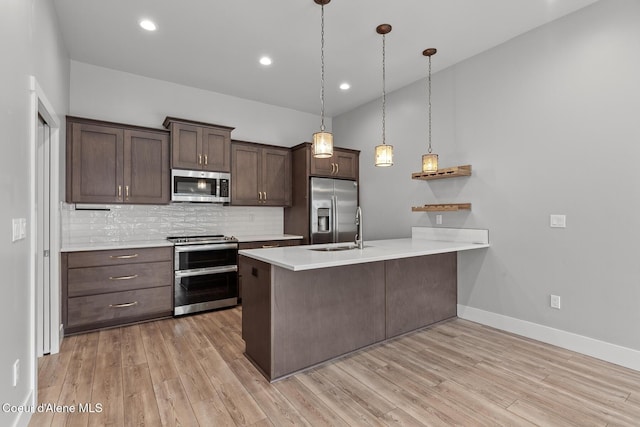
(557, 221)
(555, 301)
(438, 219)
(16, 372)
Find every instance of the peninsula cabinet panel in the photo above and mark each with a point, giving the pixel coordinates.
(260, 175)
(263, 244)
(114, 163)
(420, 291)
(199, 146)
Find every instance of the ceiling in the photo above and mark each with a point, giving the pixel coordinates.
(215, 44)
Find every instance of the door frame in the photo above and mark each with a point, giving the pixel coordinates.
(39, 104)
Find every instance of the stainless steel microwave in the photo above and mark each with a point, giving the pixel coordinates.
(200, 186)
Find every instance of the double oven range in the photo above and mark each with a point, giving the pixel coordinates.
(205, 272)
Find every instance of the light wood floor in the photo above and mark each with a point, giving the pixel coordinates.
(191, 371)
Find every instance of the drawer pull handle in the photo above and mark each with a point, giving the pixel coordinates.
(270, 246)
(123, 256)
(123, 277)
(126, 304)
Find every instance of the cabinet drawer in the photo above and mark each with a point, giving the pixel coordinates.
(116, 278)
(119, 307)
(119, 256)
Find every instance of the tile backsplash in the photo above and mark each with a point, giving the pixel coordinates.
(122, 223)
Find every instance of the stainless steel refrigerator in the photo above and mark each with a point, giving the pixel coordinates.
(333, 210)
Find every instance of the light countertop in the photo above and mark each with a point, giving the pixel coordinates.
(266, 237)
(298, 258)
(99, 246)
(154, 243)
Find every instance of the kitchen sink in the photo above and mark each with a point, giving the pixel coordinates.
(337, 248)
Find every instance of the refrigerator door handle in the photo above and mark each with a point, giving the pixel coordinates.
(334, 211)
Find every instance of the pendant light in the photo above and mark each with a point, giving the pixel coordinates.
(384, 152)
(322, 145)
(430, 160)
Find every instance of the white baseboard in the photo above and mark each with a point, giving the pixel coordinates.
(22, 419)
(613, 353)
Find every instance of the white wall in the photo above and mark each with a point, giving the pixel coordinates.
(102, 93)
(549, 122)
(30, 44)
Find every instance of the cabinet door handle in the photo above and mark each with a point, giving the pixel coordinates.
(265, 196)
(333, 167)
(126, 192)
(259, 195)
(206, 159)
(123, 256)
(119, 192)
(199, 159)
(123, 277)
(337, 169)
(270, 246)
(126, 304)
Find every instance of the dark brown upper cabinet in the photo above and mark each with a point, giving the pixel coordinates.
(116, 163)
(199, 146)
(343, 164)
(260, 175)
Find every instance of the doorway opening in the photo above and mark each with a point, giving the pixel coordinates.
(44, 225)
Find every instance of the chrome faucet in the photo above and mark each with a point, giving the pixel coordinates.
(359, 240)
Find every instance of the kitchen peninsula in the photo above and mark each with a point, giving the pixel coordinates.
(304, 305)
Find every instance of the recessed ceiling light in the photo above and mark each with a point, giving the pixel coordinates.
(265, 60)
(148, 25)
(345, 86)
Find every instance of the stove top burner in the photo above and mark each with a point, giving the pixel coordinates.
(214, 238)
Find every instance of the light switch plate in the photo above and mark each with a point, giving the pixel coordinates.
(23, 228)
(15, 235)
(558, 221)
(19, 229)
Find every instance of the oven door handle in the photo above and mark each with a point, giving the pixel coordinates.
(212, 247)
(205, 271)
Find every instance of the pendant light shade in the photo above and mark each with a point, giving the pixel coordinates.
(384, 152)
(384, 155)
(430, 160)
(322, 143)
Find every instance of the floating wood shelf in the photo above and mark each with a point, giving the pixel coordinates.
(449, 207)
(443, 173)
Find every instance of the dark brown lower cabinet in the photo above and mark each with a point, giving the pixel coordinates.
(295, 320)
(262, 244)
(115, 287)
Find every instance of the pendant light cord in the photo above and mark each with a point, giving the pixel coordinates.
(384, 92)
(322, 68)
(429, 91)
